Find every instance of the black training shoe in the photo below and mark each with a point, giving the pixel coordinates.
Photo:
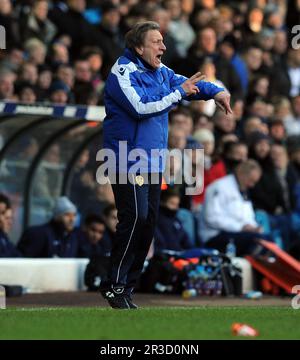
(131, 304)
(116, 301)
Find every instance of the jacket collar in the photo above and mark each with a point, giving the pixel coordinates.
(134, 57)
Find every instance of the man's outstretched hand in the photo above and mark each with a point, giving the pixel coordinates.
(222, 99)
(189, 86)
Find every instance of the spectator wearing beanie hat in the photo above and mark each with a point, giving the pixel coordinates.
(57, 238)
(59, 92)
(62, 206)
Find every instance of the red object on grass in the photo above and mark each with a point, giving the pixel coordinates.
(239, 329)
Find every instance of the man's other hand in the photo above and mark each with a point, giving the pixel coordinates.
(189, 85)
(222, 99)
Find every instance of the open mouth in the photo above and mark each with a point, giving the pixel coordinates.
(158, 57)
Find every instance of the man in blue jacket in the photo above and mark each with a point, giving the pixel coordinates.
(139, 93)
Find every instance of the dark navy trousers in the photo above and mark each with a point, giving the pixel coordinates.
(137, 206)
(245, 242)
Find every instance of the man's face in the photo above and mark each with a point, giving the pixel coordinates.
(296, 105)
(226, 122)
(112, 220)
(209, 147)
(45, 79)
(112, 17)
(2, 208)
(279, 157)
(66, 75)
(262, 149)
(2, 214)
(30, 73)
(61, 53)
(95, 62)
(173, 203)
(250, 180)
(95, 232)
(254, 58)
(83, 71)
(6, 7)
(59, 97)
(177, 139)
(162, 17)
(252, 124)
(41, 10)
(226, 50)
(280, 42)
(239, 153)
(183, 122)
(7, 220)
(208, 40)
(68, 221)
(77, 5)
(7, 86)
(152, 49)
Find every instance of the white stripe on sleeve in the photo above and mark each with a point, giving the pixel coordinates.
(122, 73)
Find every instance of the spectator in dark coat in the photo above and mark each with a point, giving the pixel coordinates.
(286, 174)
(93, 242)
(70, 21)
(110, 216)
(289, 184)
(7, 249)
(108, 36)
(37, 25)
(205, 46)
(228, 50)
(100, 244)
(10, 23)
(162, 17)
(294, 154)
(169, 233)
(267, 193)
(57, 238)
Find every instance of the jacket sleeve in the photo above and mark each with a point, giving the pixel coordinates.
(124, 88)
(215, 214)
(207, 89)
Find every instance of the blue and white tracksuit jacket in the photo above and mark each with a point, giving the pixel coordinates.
(137, 101)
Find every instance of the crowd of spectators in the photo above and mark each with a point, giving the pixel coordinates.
(61, 52)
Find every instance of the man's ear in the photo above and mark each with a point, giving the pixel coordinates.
(140, 50)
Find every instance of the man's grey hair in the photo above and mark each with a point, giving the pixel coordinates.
(247, 166)
(136, 36)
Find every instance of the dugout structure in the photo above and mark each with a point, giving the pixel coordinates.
(40, 146)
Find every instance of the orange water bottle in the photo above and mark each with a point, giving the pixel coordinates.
(243, 330)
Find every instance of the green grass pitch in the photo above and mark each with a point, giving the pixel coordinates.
(147, 323)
